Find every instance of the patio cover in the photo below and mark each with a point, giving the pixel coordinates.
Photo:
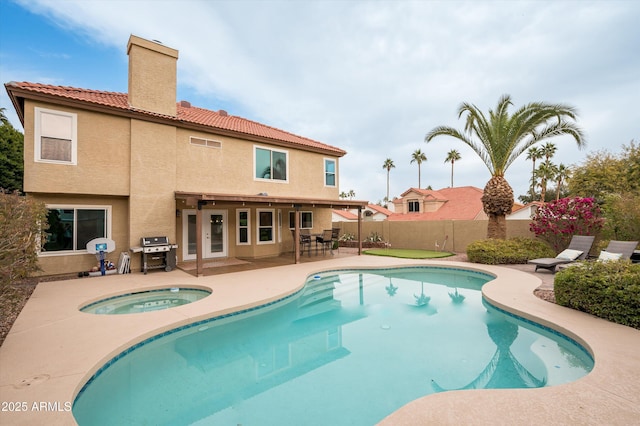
(198, 200)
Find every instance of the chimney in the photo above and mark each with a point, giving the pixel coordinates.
(152, 76)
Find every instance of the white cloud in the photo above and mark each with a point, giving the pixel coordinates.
(374, 77)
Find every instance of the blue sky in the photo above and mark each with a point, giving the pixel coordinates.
(371, 77)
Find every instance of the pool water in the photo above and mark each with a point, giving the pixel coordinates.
(349, 349)
(145, 301)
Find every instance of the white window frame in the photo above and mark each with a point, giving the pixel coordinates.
(248, 227)
(301, 221)
(268, 148)
(259, 227)
(108, 219)
(417, 204)
(38, 136)
(335, 173)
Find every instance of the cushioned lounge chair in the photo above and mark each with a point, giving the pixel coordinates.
(578, 249)
(624, 248)
(616, 250)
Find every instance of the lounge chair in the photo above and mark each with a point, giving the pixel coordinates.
(578, 249)
(617, 250)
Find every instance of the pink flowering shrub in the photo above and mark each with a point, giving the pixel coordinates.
(556, 222)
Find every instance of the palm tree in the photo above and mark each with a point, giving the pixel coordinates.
(534, 153)
(548, 150)
(418, 157)
(388, 165)
(546, 172)
(563, 173)
(452, 157)
(501, 138)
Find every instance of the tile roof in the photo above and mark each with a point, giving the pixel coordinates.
(346, 214)
(214, 120)
(380, 209)
(460, 203)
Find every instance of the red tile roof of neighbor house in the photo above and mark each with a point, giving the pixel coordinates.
(215, 121)
(380, 209)
(461, 203)
(346, 214)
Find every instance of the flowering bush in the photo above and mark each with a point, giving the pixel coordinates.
(556, 222)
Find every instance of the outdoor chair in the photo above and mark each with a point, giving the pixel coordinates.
(304, 241)
(325, 240)
(578, 249)
(616, 250)
(335, 238)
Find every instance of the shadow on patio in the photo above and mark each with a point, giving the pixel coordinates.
(228, 265)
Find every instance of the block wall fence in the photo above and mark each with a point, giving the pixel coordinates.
(425, 234)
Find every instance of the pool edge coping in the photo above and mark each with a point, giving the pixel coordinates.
(517, 299)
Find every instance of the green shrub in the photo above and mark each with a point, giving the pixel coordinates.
(609, 290)
(511, 251)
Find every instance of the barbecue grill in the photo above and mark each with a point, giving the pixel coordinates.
(157, 252)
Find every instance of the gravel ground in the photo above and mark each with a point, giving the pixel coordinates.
(12, 299)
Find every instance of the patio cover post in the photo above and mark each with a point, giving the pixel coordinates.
(296, 233)
(359, 230)
(199, 265)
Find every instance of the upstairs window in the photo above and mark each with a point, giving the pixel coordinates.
(414, 206)
(329, 172)
(270, 164)
(55, 136)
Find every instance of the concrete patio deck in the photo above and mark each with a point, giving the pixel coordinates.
(53, 348)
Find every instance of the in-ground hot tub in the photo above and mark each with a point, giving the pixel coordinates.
(145, 301)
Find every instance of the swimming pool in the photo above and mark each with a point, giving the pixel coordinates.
(350, 348)
(145, 301)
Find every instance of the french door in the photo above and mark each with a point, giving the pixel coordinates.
(214, 234)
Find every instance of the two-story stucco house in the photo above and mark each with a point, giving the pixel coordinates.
(124, 166)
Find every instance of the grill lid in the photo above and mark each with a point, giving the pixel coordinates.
(154, 241)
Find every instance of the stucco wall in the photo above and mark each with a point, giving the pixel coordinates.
(229, 169)
(103, 156)
(425, 234)
(55, 264)
(153, 170)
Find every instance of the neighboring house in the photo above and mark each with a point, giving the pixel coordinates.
(525, 212)
(343, 216)
(461, 203)
(129, 165)
(372, 212)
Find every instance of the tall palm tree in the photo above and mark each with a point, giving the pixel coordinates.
(548, 150)
(452, 157)
(534, 153)
(563, 173)
(388, 165)
(546, 172)
(418, 157)
(501, 138)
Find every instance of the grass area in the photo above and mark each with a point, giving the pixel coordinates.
(408, 254)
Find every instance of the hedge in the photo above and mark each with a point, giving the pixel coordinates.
(609, 290)
(512, 251)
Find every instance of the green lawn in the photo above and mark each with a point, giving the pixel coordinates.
(408, 254)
